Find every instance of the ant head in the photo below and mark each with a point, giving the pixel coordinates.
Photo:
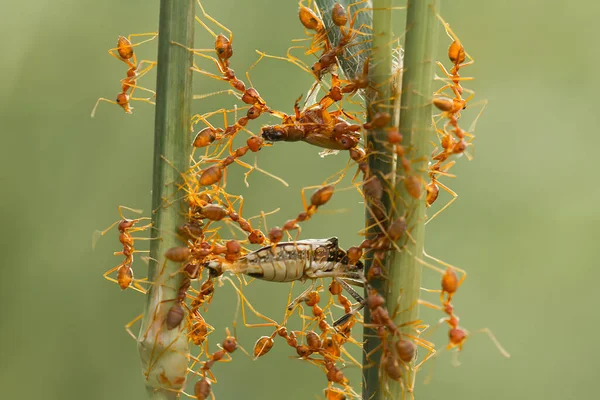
(347, 142)
(318, 70)
(230, 344)
(123, 101)
(125, 224)
(341, 256)
(273, 133)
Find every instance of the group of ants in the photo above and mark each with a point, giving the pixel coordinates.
(207, 203)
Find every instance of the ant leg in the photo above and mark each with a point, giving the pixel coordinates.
(204, 117)
(96, 235)
(323, 186)
(200, 53)
(494, 340)
(362, 302)
(350, 357)
(451, 77)
(431, 352)
(447, 265)
(355, 15)
(454, 197)
(290, 58)
(153, 34)
(150, 65)
(134, 210)
(209, 74)
(300, 298)
(135, 87)
(302, 193)
(107, 273)
(214, 21)
(244, 301)
(444, 274)
(455, 38)
(140, 229)
(131, 323)
(93, 113)
(230, 92)
(139, 287)
(474, 123)
(254, 64)
(145, 100)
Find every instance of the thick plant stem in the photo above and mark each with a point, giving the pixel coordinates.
(164, 353)
(411, 101)
(381, 166)
(417, 129)
(402, 287)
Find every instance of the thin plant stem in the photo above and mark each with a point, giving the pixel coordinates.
(164, 353)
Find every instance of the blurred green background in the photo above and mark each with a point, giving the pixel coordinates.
(523, 225)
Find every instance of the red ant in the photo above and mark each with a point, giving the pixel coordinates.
(340, 18)
(403, 351)
(224, 51)
(229, 345)
(124, 52)
(450, 284)
(126, 228)
(311, 21)
(319, 198)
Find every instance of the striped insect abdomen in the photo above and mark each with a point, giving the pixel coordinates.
(284, 263)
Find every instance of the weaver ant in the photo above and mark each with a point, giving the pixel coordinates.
(311, 21)
(125, 52)
(402, 351)
(226, 348)
(314, 125)
(224, 51)
(126, 228)
(348, 33)
(450, 284)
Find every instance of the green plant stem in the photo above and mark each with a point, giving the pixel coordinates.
(417, 129)
(412, 115)
(164, 353)
(381, 166)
